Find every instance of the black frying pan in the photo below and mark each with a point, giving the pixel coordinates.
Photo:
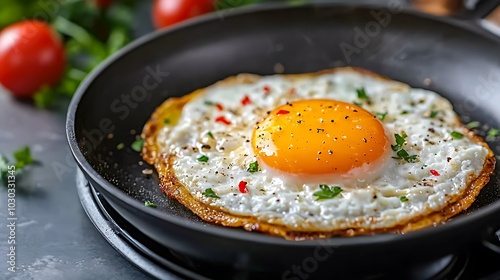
(112, 105)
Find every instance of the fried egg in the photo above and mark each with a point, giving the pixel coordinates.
(339, 152)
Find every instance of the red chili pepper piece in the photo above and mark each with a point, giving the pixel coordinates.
(243, 187)
(282, 112)
(219, 106)
(246, 100)
(223, 120)
(434, 172)
(267, 89)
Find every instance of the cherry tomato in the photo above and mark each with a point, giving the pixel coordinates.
(31, 56)
(168, 12)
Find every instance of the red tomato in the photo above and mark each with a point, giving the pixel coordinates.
(31, 56)
(168, 12)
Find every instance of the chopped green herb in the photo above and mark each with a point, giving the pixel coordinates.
(472, 125)
(361, 93)
(398, 148)
(210, 135)
(400, 141)
(404, 112)
(203, 158)
(137, 145)
(457, 135)
(403, 154)
(381, 116)
(23, 157)
(412, 158)
(493, 132)
(209, 103)
(327, 192)
(150, 204)
(433, 114)
(357, 103)
(4, 168)
(166, 121)
(210, 193)
(403, 199)
(253, 167)
(120, 146)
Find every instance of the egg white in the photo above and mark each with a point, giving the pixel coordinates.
(372, 203)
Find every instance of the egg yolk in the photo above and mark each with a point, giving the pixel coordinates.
(320, 137)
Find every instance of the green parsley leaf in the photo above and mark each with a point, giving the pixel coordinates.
(493, 132)
(23, 157)
(4, 168)
(150, 204)
(253, 167)
(166, 121)
(412, 158)
(45, 97)
(209, 103)
(327, 192)
(457, 135)
(404, 112)
(361, 93)
(203, 158)
(210, 193)
(381, 116)
(472, 125)
(403, 199)
(137, 145)
(398, 148)
(210, 135)
(120, 146)
(402, 154)
(433, 114)
(400, 141)
(230, 4)
(117, 39)
(357, 103)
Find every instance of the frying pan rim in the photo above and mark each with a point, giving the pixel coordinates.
(486, 211)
